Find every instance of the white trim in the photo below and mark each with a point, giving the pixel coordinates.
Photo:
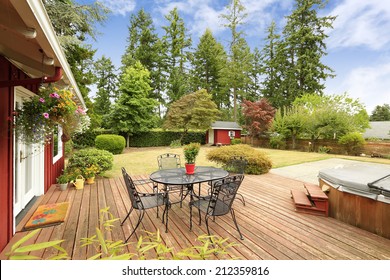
(59, 155)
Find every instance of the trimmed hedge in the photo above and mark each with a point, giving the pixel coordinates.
(110, 142)
(165, 138)
(258, 162)
(87, 139)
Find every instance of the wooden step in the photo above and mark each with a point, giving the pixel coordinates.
(304, 205)
(300, 198)
(315, 192)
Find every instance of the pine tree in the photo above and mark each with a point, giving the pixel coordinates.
(207, 61)
(303, 48)
(175, 45)
(135, 110)
(106, 85)
(236, 73)
(145, 46)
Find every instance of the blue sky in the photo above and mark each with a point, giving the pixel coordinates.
(358, 46)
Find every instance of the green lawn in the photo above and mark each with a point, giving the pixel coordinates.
(141, 161)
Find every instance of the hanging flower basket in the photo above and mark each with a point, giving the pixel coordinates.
(35, 121)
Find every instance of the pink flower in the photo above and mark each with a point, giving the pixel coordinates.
(80, 111)
(41, 100)
(45, 115)
(54, 95)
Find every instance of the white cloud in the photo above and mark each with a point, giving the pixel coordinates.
(121, 7)
(361, 23)
(370, 84)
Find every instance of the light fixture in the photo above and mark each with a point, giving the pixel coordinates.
(48, 60)
(29, 33)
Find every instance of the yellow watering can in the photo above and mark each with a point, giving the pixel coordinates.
(79, 183)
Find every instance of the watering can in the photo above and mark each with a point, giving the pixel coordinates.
(79, 182)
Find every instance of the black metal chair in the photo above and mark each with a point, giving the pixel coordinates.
(143, 201)
(219, 202)
(170, 161)
(235, 166)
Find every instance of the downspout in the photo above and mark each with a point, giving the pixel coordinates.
(44, 80)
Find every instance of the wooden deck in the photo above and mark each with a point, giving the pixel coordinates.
(272, 229)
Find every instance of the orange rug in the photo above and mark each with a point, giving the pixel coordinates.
(48, 215)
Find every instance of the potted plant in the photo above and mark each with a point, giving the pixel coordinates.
(63, 181)
(90, 173)
(191, 151)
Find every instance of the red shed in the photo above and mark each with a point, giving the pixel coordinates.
(30, 55)
(221, 133)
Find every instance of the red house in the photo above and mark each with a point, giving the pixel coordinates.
(30, 55)
(221, 133)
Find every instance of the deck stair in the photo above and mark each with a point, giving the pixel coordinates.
(311, 200)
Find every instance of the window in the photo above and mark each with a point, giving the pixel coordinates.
(57, 143)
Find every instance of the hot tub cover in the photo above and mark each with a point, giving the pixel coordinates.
(364, 180)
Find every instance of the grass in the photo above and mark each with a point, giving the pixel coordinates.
(141, 161)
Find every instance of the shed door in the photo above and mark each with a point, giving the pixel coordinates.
(28, 164)
(211, 136)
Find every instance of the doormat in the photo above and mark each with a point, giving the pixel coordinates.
(48, 215)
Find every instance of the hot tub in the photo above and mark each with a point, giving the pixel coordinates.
(359, 195)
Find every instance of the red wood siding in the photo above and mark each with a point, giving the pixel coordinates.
(6, 147)
(222, 136)
(10, 72)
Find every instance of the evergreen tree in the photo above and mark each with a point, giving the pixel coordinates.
(145, 46)
(381, 113)
(106, 85)
(135, 110)
(207, 61)
(302, 49)
(271, 70)
(176, 42)
(236, 73)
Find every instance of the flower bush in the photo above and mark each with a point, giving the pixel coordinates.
(90, 171)
(35, 121)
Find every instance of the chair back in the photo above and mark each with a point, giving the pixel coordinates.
(132, 191)
(236, 165)
(168, 161)
(223, 194)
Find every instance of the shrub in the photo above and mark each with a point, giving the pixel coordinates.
(165, 138)
(353, 143)
(235, 141)
(175, 144)
(110, 142)
(258, 162)
(324, 149)
(86, 158)
(277, 141)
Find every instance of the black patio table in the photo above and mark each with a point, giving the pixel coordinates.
(178, 176)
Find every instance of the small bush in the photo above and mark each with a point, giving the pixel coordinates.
(110, 142)
(258, 162)
(235, 141)
(175, 144)
(86, 158)
(353, 143)
(277, 141)
(324, 149)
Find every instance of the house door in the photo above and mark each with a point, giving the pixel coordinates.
(28, 164)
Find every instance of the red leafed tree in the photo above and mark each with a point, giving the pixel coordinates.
(258, 116)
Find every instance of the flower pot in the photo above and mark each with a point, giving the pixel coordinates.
(190, 168)
(90, 180)
(63, 187)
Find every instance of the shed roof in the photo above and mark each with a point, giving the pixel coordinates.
(379, 130)
(225, 125)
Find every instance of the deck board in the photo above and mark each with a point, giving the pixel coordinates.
(271, 227)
